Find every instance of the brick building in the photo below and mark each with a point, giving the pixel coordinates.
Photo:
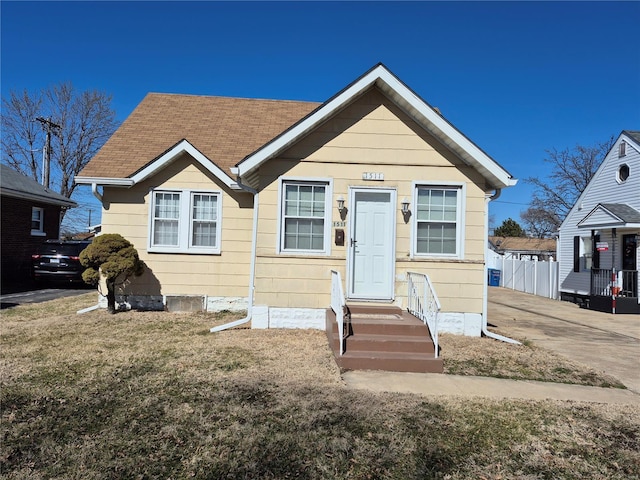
(30, 215)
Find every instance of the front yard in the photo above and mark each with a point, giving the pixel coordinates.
(155, 395)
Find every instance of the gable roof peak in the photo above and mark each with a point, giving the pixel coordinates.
(411, 103)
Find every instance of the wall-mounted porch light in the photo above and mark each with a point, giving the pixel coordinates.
(405, 205)
(340, 201)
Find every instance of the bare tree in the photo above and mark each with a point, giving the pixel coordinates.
(539, 222)
(86, 121)
(569, 174)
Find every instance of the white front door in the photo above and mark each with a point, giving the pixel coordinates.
(371, 244)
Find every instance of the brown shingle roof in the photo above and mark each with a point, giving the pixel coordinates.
(224, 129)
(524, 244)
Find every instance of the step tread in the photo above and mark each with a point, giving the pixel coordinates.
(383, 337)
(373, 354)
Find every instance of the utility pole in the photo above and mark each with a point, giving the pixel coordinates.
(50, 127)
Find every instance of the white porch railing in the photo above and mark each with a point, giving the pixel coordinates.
(423, 302)
(338, 305)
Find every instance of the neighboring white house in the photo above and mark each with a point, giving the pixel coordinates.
(598, 246)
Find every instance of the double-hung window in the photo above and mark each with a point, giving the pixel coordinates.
(185, 221)
(304, 222)
(37, 221)
(438, 221)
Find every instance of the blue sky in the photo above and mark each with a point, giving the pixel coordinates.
(517, 78)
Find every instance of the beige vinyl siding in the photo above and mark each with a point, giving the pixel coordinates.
(372, 135)
(226, 274)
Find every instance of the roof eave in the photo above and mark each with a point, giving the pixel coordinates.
(161, 162)
(39, 198)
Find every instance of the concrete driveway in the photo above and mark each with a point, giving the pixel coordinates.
(605, 342)
(8, 300)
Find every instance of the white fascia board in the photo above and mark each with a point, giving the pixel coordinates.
(614, 220)
(446, 132)
(182, 147)
(117, 182)
(416, 106)
(300, 129)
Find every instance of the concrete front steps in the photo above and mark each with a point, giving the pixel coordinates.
(383, 338)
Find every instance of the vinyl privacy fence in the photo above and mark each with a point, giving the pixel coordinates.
(530, 276)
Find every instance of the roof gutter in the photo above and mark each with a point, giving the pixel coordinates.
(485, 287)
(252, 268)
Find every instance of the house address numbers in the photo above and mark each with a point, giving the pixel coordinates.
(372, 176)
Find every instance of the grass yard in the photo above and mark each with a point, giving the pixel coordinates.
(155, 395)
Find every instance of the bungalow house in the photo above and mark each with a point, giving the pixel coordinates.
(252, 204)
(598, 246)
(30, 215)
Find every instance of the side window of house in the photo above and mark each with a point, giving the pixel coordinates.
(185, 221)
(438, 228)
(585, 253)
(37, 221)
(304, 217)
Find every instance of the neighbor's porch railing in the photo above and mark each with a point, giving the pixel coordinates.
(338, 305)
(423, 302)
(603, 283)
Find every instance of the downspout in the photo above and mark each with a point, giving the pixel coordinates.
(96, 193)
(485, 288)
(252, 268)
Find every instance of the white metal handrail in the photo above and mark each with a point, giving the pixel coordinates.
(423, 302)
(338, 305)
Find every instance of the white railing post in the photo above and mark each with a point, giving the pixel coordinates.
(423, 302)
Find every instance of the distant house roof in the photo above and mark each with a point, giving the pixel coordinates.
(15, 184)
(523, 244)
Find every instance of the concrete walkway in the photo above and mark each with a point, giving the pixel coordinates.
(607, 343)
(435, 384)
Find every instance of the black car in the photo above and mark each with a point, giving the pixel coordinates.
(58, 261)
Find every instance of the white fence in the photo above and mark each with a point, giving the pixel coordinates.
(530, 276)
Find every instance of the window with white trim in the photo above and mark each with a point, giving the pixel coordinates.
(185, 221)
(37, 221)
(304, 222)
(438, 229)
